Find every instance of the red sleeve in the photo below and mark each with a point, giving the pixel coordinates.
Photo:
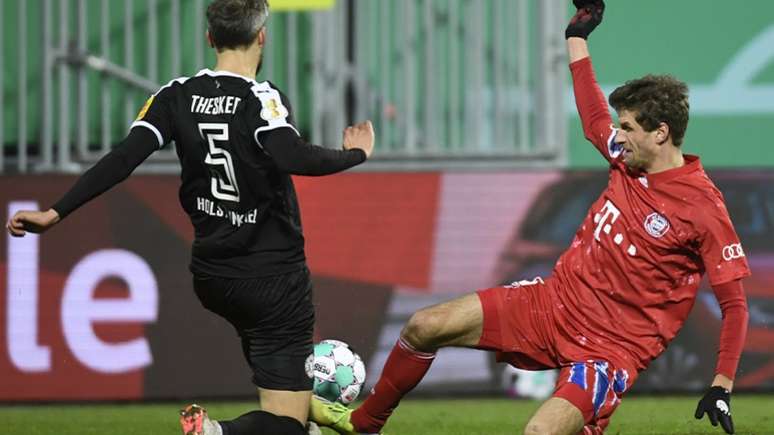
(592, 107)
(719, 246)
(733, 331)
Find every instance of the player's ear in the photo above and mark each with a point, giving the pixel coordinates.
(662, 133)
(209, 39)
(262, 36)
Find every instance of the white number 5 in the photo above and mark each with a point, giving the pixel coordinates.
(222, 189)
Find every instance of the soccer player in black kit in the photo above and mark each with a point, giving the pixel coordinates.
(237, 148)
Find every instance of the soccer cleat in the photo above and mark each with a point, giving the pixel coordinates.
(333, 415)
(192, 419)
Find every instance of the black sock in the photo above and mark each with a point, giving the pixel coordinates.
(262, 423)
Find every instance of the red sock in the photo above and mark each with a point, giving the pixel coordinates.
(404, 368)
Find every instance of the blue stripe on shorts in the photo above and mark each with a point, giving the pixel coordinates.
(601, 384)
(578, 375)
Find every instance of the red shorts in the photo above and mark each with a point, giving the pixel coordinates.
(519, 326)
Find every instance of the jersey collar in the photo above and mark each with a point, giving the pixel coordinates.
(692, 164)
(221, 73)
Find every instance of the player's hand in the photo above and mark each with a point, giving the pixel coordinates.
(32, 221)
(587, 18)
(360, 136)
(717, 404)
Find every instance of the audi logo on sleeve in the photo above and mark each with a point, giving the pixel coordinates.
(733, 251)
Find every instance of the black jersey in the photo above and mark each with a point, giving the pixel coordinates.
(241, 203)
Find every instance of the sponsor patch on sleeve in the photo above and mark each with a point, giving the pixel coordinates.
(145, 108)
(272, 109)
(612, 147)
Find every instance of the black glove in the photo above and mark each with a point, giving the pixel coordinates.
(580, 4)
(587, 18)
(717, 404)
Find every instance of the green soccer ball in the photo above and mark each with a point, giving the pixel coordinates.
(338, 372)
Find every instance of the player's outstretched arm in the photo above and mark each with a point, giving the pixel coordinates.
(589, 99)
(110, 170)
(294, 155)
(716, 403)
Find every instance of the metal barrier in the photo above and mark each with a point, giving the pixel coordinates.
(457, 83)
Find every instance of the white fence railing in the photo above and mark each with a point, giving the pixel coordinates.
(456, 83)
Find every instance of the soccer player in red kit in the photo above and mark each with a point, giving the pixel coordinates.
(619, 294)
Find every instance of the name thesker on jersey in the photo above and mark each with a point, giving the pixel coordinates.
(214, 105)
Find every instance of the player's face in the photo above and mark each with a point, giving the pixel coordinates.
(639, 146)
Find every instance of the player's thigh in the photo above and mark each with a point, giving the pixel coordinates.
(274, 318)
(294, 404)
(458, 322)
(556, 416)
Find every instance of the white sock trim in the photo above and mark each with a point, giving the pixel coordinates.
(405, 345)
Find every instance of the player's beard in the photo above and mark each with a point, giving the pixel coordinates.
(634, 161)
(640, 159)
(630, 159)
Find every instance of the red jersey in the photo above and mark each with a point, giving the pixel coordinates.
(629, 279)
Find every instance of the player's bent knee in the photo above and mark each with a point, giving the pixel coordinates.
(422, 329)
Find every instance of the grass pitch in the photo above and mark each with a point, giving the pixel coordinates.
(636, 415)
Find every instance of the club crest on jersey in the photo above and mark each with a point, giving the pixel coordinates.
(273, 109)
(656, 225)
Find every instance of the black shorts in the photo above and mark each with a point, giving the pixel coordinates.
(274, 317)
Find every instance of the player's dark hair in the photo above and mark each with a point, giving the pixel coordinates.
(655, 99)
(236, 23)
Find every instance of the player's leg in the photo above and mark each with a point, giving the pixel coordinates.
(194, 421)
(294, 404)
(556, 416)
(572, 404)
(458, 322)
(587, 393)
(475, 320)
(274, 318)
(262, 422)
(455, 323)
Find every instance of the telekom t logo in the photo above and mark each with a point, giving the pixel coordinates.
(609, 211)
(605, 219)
